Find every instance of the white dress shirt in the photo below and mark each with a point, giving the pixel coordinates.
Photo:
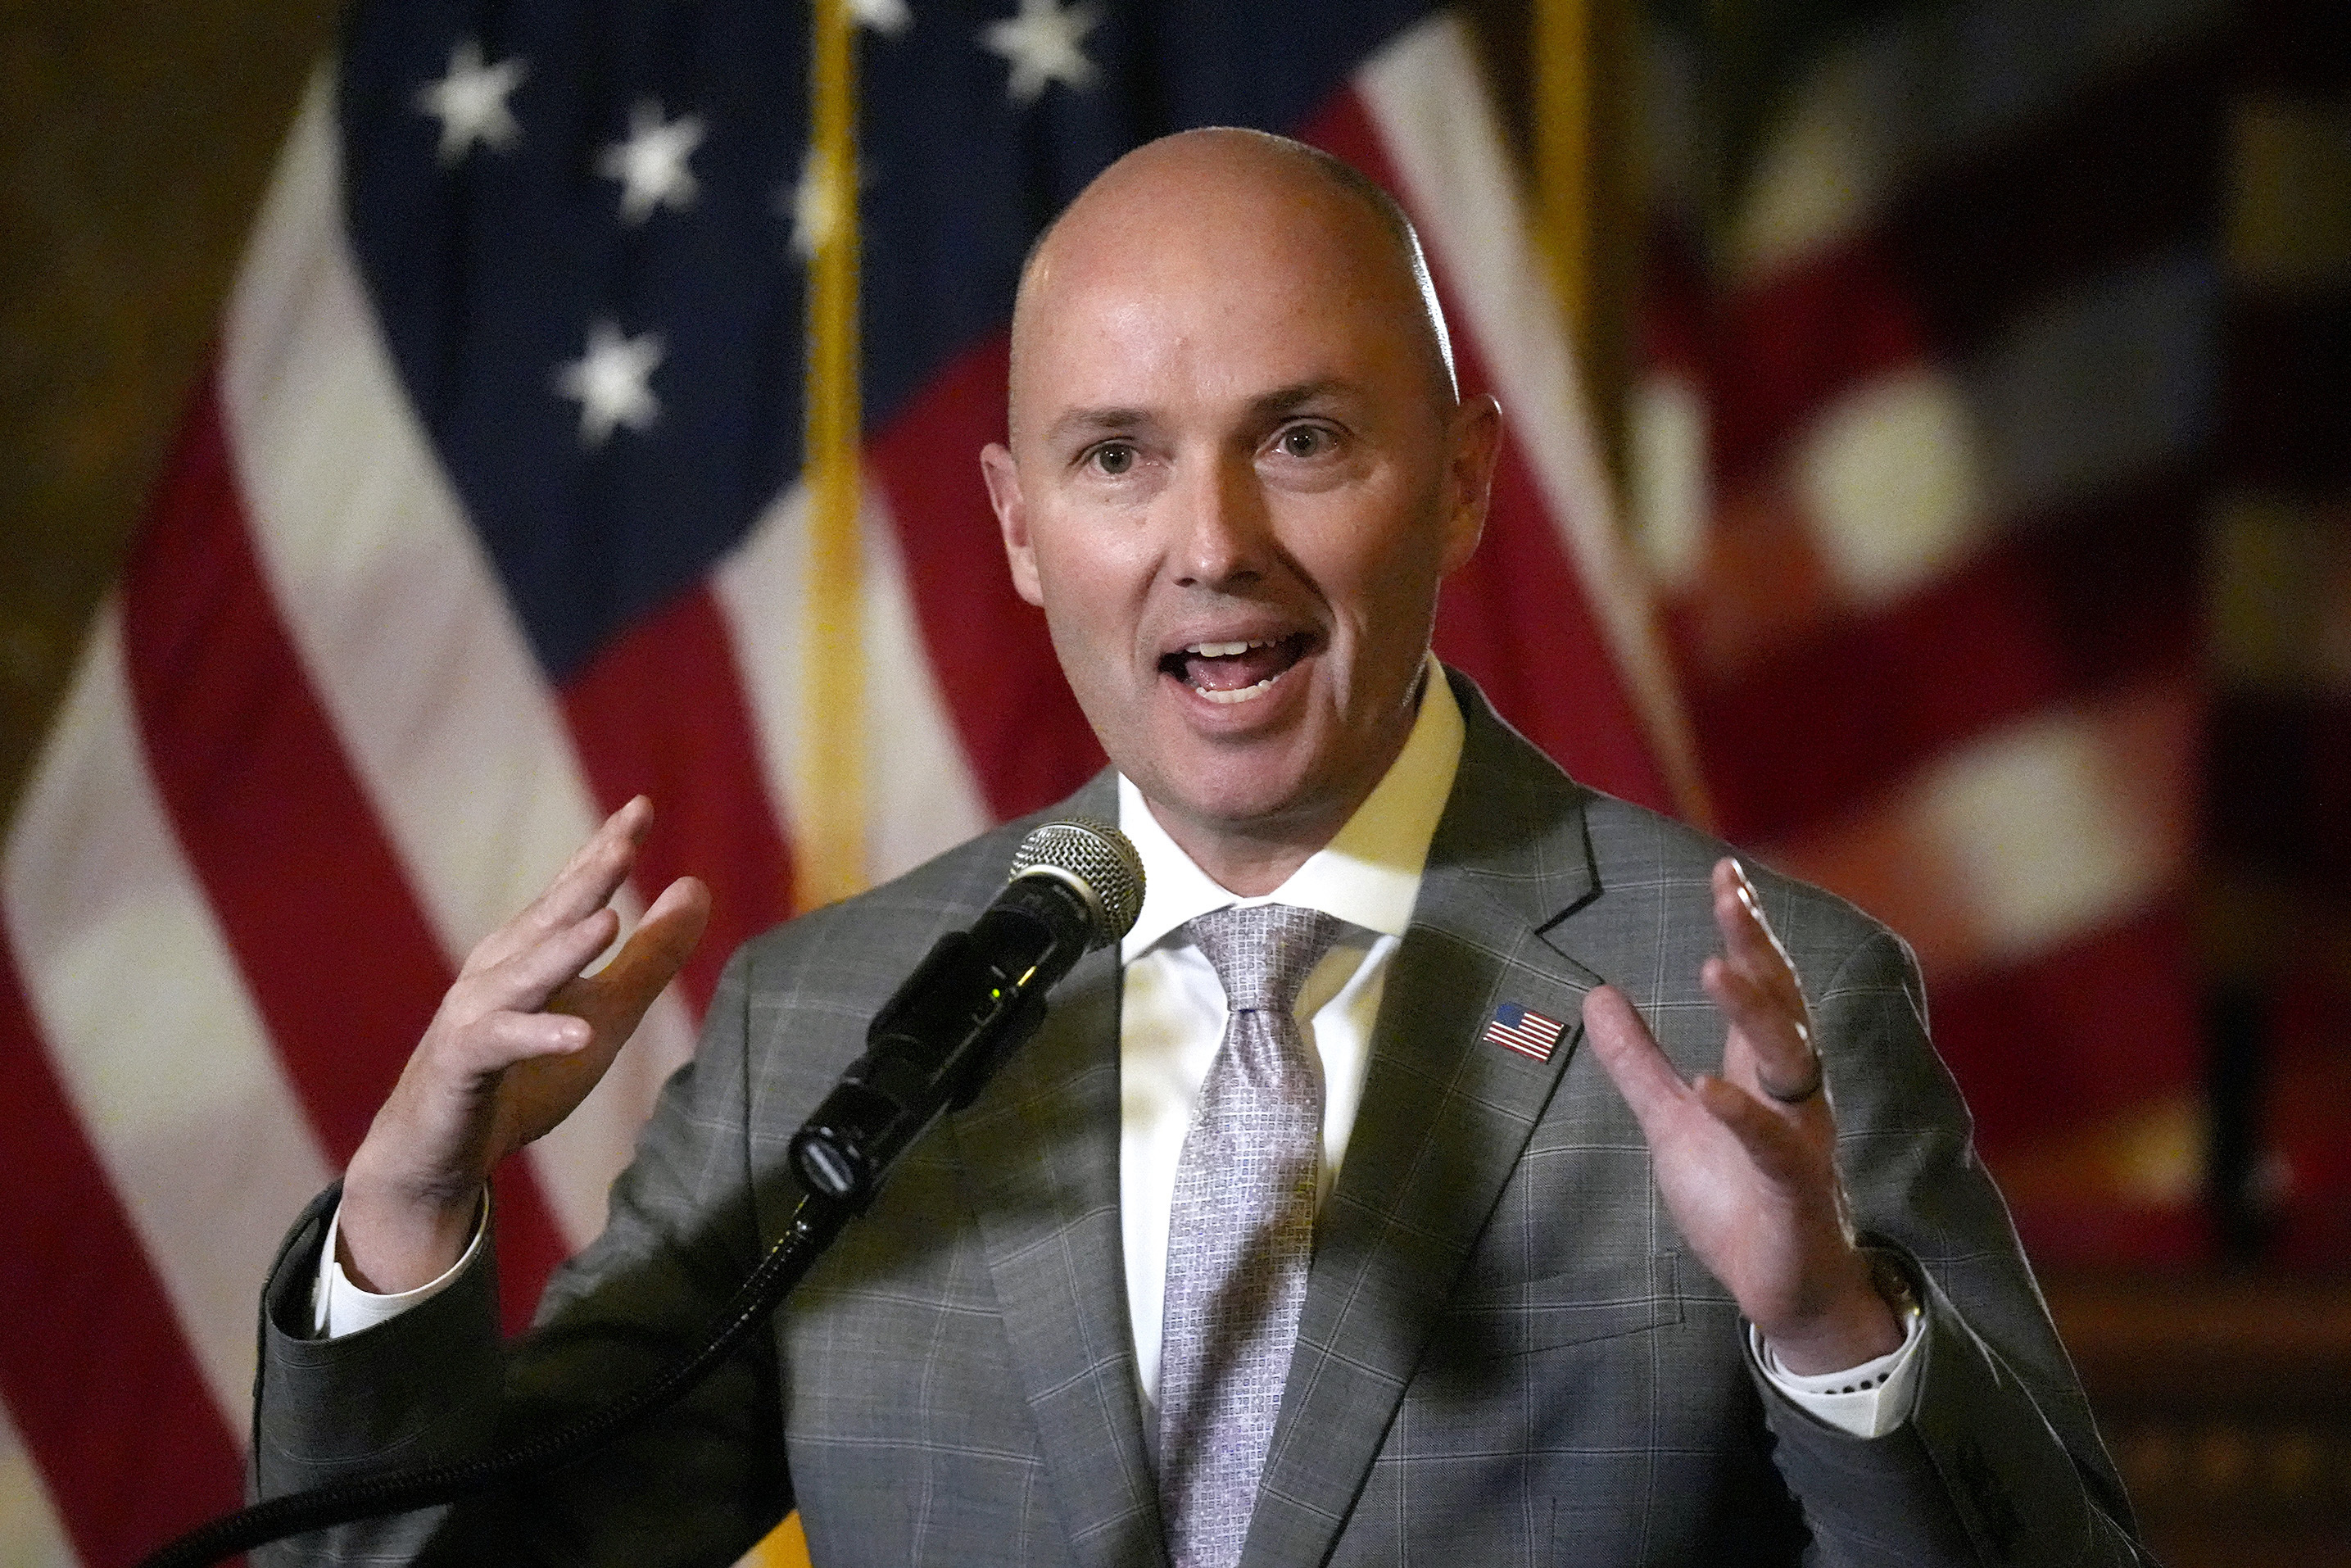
(1172, 1021)
(1171, 1012)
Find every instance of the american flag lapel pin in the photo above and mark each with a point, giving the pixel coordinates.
(1524, 1031)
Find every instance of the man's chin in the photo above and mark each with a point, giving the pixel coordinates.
(1229, 794)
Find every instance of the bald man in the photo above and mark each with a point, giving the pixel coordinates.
(1640, 1291)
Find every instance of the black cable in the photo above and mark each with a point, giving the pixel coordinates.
(811, 1229)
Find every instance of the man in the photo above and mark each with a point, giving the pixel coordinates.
(1572, 1296)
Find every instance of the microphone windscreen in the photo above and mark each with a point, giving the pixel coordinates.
(1097, 859)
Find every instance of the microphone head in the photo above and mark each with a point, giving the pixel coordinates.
(1095, 858)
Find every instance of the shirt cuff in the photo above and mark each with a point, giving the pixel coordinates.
(1868, 1401)
(339, 1308)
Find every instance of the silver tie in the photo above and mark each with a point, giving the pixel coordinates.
(1240, 1234)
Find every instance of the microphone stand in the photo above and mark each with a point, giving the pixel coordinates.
(814, 1223)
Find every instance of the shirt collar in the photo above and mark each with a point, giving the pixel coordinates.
(1368, 875)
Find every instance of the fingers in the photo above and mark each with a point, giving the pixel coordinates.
(1770, 1049)
(527, 980)
(1630, 1054)
(596, 869)
(498, 1040)
(672, 927)
(617, 996)
(491, 1020)
(1748, 939)
(1776, 1152)
(586, 881)
(1661, 1101)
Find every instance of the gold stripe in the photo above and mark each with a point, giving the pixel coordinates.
(829, 800)
(1563, 155)
(829, 805)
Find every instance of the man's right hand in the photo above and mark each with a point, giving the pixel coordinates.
(518, 1042)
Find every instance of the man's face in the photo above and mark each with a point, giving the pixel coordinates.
(1234, 488)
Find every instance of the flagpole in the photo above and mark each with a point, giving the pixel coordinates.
(1580, 47)
(828, 807)
(1563, 156)
(1586, 186)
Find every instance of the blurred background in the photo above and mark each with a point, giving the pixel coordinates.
(1972, 379)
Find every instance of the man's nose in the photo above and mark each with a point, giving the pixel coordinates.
(1225, 537)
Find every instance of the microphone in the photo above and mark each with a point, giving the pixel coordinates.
(1076, 884)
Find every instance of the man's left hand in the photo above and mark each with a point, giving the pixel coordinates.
(1747, 1159)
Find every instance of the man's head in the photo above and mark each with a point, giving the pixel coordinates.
(1238, 471)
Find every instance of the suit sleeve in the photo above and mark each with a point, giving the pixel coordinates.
(2000, 1461)
(698, 1484)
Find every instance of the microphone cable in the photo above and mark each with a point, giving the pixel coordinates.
(815, 1222)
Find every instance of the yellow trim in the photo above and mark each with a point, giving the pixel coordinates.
(828, 794)
(1563, 153)
(829, 804)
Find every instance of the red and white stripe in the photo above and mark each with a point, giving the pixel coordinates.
(309, 761)
(1439, 148)
(1868, 508)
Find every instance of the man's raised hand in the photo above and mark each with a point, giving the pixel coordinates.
(1746, 1160)
(518, 1043)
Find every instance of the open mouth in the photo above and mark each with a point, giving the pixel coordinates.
(1236, 672)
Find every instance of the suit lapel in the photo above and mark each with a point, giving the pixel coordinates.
(1040, 1153)
(1445, 1117)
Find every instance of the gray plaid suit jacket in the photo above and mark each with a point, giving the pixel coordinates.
(1507, 1354)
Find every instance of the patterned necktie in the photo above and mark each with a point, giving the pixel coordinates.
(1241, 1232)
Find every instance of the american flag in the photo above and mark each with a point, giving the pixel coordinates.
(487, 517)
(1925, 439)
(1524, 1031)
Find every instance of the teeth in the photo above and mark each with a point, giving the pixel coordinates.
(1244, 694)
(1226, 650)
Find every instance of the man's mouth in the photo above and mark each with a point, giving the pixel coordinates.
(1236, 672)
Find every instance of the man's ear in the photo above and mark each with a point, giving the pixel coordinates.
(1475, 442)
(1003, 476)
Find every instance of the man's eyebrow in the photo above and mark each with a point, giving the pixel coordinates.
(1096, 422)
(1265, 406)
(1291, 399)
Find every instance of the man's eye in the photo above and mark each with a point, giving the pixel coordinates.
(1115, 458)
(1303, 441)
